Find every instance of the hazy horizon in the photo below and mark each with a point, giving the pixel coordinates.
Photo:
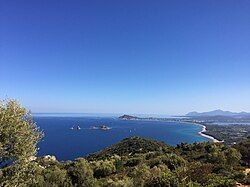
(126, 57)
(114, 114)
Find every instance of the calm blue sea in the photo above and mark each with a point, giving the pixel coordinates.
(67, 144)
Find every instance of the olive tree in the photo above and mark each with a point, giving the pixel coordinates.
(18, 139)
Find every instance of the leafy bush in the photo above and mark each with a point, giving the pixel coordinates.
(159, 178)
(218, 181)
(103, 168)
(81, 173)
(124, 182)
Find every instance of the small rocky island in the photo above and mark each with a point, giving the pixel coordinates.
(101, 127)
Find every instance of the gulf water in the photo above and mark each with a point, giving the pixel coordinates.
(67, 144)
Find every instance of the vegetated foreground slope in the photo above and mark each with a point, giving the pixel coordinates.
(131, 146)
(137, 161)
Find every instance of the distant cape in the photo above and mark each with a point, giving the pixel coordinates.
(128, 117)
(217, 113)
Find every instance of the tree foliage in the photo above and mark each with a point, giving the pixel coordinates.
(18, 138)
(81, 173)
(18, 134)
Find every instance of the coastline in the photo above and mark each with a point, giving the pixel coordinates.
(205, 135)
(201, 133)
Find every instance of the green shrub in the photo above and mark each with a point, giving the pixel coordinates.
(133, 161)
(140, 174)
(81, 173)
(124, 182)
(103, 168)
(162, 179)
(219, 181)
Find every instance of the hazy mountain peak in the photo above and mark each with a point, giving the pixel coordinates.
(217, 112)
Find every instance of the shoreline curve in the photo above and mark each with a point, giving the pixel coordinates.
(207, 136)
(204, 129)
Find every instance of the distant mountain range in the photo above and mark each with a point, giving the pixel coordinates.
(217, 113)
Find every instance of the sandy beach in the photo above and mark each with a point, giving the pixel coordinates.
(205, 135)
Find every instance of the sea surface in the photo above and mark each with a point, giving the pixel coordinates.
(67, 144)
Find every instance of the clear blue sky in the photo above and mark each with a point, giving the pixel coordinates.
(130, 56)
